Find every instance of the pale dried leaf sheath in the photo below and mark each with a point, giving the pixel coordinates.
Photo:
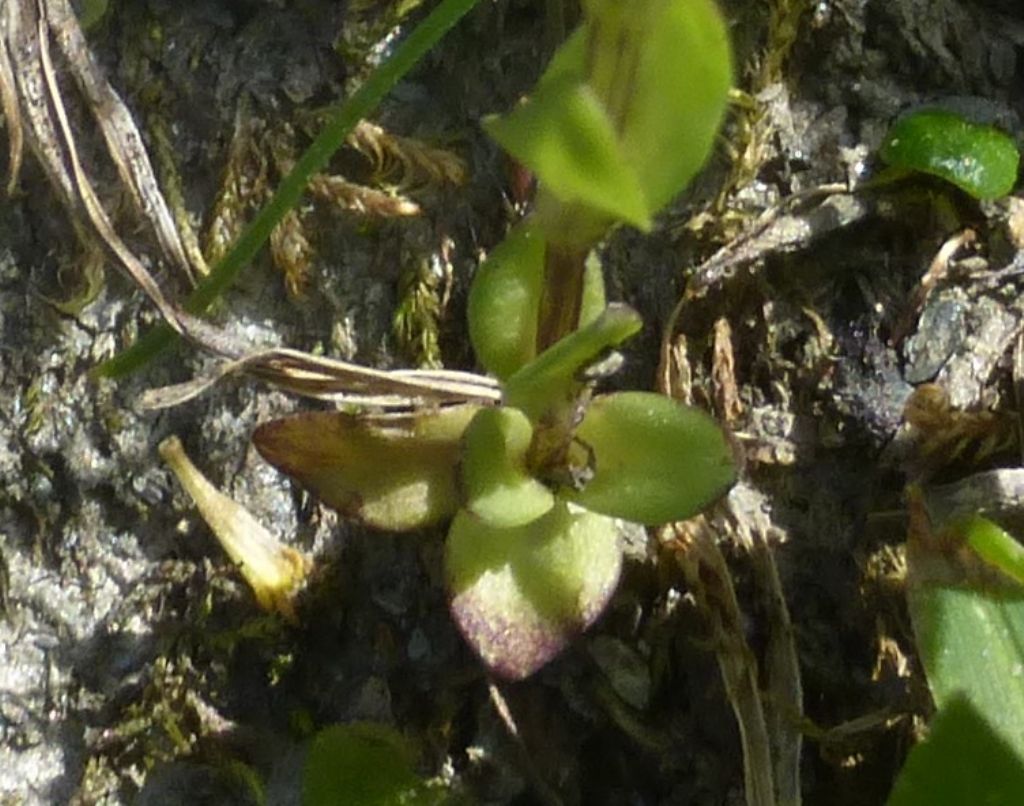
(340, 382)
(174, 193)
(124, 143)
(274, 571)
(711, 583)
(86, 194)
(9, 106)
(723, 373)
(22, 29)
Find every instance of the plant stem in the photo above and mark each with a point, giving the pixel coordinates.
(562, 293)
(289, 192)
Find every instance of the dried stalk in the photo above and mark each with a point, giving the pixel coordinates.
(34, 110)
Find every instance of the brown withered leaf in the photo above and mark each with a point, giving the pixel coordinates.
(395, 472)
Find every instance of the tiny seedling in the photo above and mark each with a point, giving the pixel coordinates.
(979, 159)
(620, 122)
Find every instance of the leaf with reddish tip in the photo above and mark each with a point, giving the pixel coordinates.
(521, 595)
(391, 472)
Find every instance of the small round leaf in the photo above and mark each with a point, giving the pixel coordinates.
(519, 596)
(362, 764)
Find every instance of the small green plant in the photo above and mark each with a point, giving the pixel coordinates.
(966, 596)
(979, 159)
(620, 122)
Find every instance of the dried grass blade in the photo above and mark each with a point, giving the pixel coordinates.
(337, 381)
(11, 110)
(124, 143)
(709, 580)
(87, 195)
(22, 26)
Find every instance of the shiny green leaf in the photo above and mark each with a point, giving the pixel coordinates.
(519, 596)
(979, 159)
(498, 488)
(391, 472)
(654, 460)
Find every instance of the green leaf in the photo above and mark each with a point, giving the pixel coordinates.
(550, 379)
(995, 546)
(655, 460)
(627, 111)
(521, 595)
(341, 120)
(961, 761)
(979, 159)
(504, 301)
(498, 488)
(389, 471)
(666, 69)
(362, 764)
(969, 621)
(563, 135)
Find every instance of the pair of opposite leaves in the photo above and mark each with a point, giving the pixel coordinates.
(531, 560)
(529, 564)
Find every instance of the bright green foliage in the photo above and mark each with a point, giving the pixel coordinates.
(995, 546)
(505, 298)
(564, 134)
(968, 617)
(389, 471)
(655, 460)
(979, 159)
(363, 764)
(626, 113)
(963, 761)
(551, 378)
(621, 121)
(520, 595)
(503, 302)
(498, 488)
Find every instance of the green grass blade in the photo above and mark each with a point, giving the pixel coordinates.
(290, 191)
(969, 621)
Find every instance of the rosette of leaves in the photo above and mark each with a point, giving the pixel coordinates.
(622, 119)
